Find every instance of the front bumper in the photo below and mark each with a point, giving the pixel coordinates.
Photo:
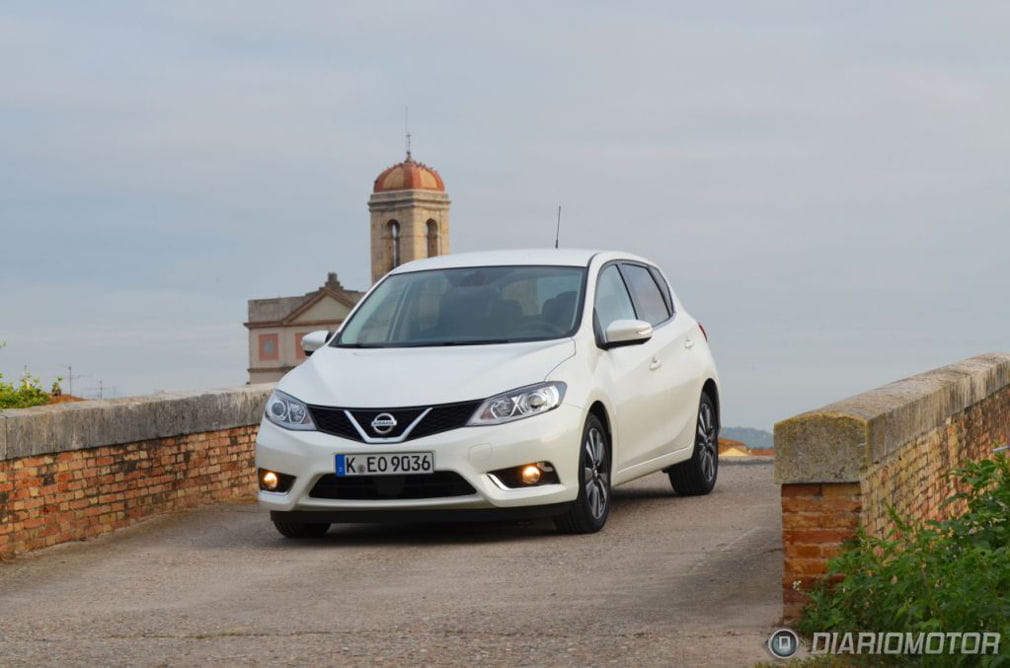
(471, 452)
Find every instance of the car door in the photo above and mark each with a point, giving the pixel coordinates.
(625, 372)
(671, 379)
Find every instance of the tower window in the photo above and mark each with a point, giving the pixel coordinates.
(434, 243)
(394, 241)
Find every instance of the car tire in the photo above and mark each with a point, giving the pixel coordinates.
(589, 512)
(698, 474)
(290, 529)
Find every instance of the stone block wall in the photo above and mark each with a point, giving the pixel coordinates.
(74, 471)
(844, 465)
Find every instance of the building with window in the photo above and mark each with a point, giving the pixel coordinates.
(410, 216)
(409, 221)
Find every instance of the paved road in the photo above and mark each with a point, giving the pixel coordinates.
(670, 581)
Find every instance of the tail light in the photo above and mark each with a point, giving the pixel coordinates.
(703, 331)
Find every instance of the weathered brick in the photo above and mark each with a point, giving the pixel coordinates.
(841, 489)
(817, 536)
(909, 476)
(796, 489)
(82, 493)
(826, 520)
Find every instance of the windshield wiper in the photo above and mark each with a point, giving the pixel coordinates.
(478, 342)
(428, 344)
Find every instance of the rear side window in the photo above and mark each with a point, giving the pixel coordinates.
(651, 305)
(664, 288)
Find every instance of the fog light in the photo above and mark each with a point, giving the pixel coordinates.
(269, 480)
(530, 474)
(274, 481)
(523, 476)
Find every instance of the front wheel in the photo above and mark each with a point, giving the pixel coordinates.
(588, 513)
(697, 475)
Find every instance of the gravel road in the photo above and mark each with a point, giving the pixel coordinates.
(669, 581)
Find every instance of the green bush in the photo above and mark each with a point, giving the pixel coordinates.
(26, 393)
(928, 576)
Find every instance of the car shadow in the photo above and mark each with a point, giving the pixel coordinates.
(435, 533)
(454, 533)
(627, 494)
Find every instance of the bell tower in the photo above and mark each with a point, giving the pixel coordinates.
(410, 216)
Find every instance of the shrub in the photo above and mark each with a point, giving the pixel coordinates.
(946, 576)
(26, 393)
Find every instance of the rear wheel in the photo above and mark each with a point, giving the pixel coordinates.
(290, 529)
(697, 475)
(588, 513)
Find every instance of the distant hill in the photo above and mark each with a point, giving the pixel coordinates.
(754, 438)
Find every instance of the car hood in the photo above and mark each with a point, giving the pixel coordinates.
(393, 377)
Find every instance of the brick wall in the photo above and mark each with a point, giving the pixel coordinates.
(60, 482)
(816, 519)
(914, 479)
(844, 465)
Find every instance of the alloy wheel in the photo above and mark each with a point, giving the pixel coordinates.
(707, 441)
(596, 473)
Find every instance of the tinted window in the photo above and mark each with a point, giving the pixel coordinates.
(649, 298)
(664, 288)
(467, 306)
(612, 299)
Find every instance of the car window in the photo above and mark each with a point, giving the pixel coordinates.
(664, 288)
(468, 306)
(612, 299)
(650, 300)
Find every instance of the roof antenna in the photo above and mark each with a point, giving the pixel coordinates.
(557, 230)
(406, 128)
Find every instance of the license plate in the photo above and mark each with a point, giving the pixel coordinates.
(391, 463)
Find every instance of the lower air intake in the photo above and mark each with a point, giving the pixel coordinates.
(374, 488)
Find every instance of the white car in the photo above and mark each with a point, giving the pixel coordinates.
(493, 385)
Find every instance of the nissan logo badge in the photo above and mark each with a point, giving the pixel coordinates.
(383, 423)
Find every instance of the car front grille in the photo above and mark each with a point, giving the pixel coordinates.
(440, 418)
(412, 486)
(333, 421)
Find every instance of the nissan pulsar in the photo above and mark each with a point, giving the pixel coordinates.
(499, 385)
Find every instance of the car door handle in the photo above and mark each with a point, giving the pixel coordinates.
(655, 364)
(688, 343)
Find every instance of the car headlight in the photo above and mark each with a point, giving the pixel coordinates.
(520, 403)
(286, 411)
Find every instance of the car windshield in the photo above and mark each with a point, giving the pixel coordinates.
(468, 306)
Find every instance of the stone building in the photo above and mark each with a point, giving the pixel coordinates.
(410, 216)
(409, 221)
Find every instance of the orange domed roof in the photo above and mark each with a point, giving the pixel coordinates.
(408, 175)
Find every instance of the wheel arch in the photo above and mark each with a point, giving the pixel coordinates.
(600, 411)
(712, 390)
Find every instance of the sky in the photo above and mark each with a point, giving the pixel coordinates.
(825, 184)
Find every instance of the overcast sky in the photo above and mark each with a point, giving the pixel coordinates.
(825, 183)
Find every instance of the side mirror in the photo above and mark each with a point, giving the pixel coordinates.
(626, 333)
(313, 341)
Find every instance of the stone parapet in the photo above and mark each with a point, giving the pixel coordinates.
(90, 424)
(74, 471)
(844, 465)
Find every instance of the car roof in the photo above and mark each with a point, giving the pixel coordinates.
(565, 257)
